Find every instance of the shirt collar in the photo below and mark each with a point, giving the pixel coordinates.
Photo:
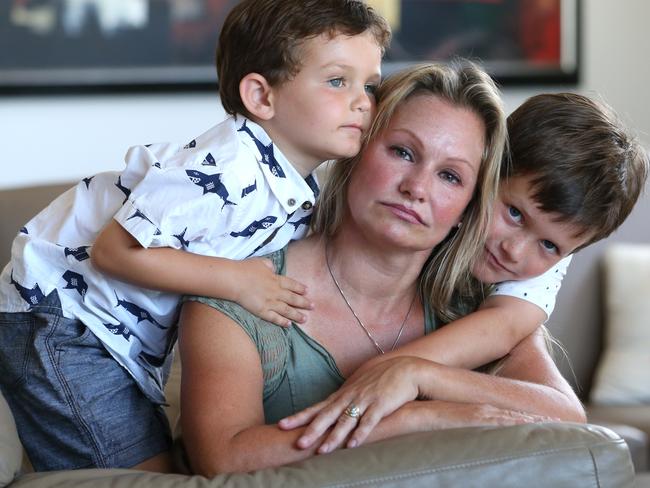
(286, 183)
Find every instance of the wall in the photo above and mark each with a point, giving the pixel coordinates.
(58, 139)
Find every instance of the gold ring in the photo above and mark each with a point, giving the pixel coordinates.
(352, 411)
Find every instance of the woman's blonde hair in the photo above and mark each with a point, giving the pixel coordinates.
(446, 273)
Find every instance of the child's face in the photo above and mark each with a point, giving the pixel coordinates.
(523, 241)
(324, 110)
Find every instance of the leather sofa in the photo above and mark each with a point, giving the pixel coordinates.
(552, 454)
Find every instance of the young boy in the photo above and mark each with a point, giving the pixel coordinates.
(90, 297)
(573, 175)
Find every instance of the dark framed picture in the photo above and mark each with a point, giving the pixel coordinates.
(517, 41)
(55, 45)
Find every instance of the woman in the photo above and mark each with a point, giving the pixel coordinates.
(373, 278)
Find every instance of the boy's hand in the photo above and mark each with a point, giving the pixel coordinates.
(272, 297)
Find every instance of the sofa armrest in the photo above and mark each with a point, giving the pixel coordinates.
(541, 455)
(632, 423)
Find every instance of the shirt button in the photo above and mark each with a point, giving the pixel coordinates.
(291, 202)
(306, 205)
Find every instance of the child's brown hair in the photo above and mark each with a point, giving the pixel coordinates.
(265, 36)
(585, 166)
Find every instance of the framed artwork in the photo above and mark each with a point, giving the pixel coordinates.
(108, 45)
(517, 41)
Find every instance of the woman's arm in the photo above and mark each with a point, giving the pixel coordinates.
(222, 412)
(528, 381)
(531, 362)
(221, 398)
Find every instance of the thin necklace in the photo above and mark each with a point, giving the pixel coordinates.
(372, 339)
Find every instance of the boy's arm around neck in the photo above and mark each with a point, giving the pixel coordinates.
(478, 338)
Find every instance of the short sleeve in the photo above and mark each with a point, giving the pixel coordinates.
(176, 201)
(541, 290)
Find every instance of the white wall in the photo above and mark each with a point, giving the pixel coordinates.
(64, 138)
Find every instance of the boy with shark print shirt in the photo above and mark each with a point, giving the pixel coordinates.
(92, 291)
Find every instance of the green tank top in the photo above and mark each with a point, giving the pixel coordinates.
(298, 371)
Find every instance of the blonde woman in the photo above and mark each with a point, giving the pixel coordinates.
(390, 253)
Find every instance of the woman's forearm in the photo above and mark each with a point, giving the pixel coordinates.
(266, 446)
(429, 415)
(459, 385)
(256, 447)
(528, 380)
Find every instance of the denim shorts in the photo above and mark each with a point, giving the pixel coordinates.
(74, 405)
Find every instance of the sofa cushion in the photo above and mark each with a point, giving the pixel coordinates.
(560, 455)
(635, 438)
(11, 452)
(623, 372)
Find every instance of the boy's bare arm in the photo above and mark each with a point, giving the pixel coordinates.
(252, 283)
(483, 336)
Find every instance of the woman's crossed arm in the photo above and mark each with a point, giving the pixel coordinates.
(222, 406)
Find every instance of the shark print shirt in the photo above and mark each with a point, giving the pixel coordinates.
(229, 193)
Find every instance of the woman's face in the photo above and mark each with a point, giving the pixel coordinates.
(415, 179)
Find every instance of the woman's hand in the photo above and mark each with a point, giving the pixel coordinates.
(377, 392)
(272, 297)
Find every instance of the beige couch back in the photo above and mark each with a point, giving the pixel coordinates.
(17, 206)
